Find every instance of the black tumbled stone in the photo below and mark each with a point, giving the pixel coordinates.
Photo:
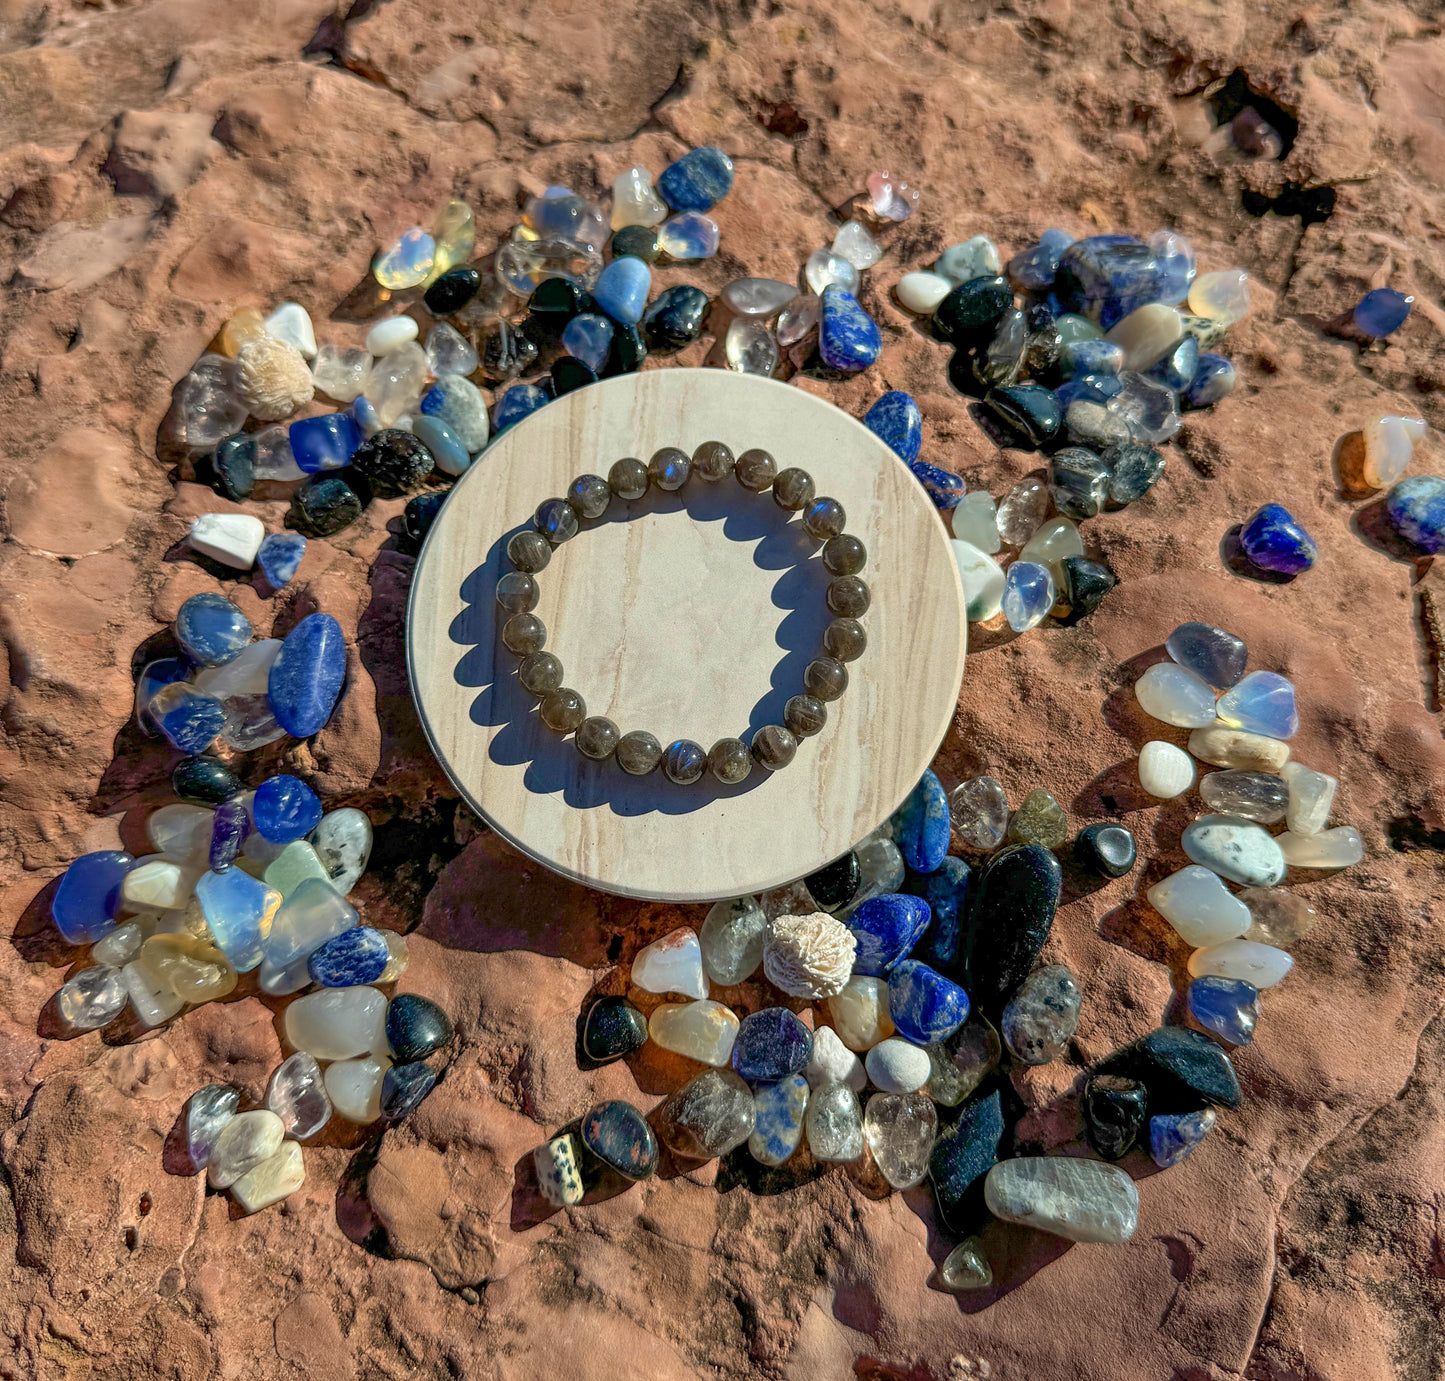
(1133, 469)
(415, 1026)
(1182, 1069)
(614, 1028)
(1115, 1114)
(404, 1087)
(627, 351)
(421, 513)
(323, 505)
(1015, 896)
(505, 352)
(204, 781)
(233, 466)
(618, 1135)
(392, 462)
(962, 1155)
(999, 362)
(1030, 409)
(1085, 585)
(972, 310)
(640, 241)
(560, 299)
(676, 318)
(1106, 849)
(453, 290)
(836, 884)
(569, 374)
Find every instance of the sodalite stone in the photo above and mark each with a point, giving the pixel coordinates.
(211, 629)
(189, 718)
(946, 892)
(1213, 380)
(588, 337)
(944, 487)
(896, 420)
(886, 928)
(1382, 312)
(925, 1006)
(962, 1155)
(285, 808)
(459, 403)
(280, 557)
(923, 825)
(1275, 541)
(780, 1109)
(1108, 276)
(1262, 703)
(306, 677)
(618, 1135)
(1082, 357)
(519, 401)
(325, 442)
(1034, 269)
(348, 960)
(771, 1044)
(1173, 1136)
(84, 905)
(1229, 1007)
(848, 338)
(1416, 507)
(698, 180)
(622, 288)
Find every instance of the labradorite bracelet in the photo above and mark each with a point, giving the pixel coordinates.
(563, 710)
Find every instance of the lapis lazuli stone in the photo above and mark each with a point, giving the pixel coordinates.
(189, 718)
(229, 827)
(886, 928)
(1382, 312)
(211, 629)
(280, 557)
(1416, 507)
(1173, 1136)
(622, 289)
(923, 825)
(325, 442)
(1179, 366)
(771, 1044)
(356, 956)
(780, 1109)
(946, 892)
(404, 1087)
(1262, 703)
(697, 181)
(1274, 541)
(1108, 276)
(944, 487)
(164, 671)
(1034, 269)
(924, 1005)
(306, 677)
(896, 421)
(1229, 1007)
(519, 401)
(1213, 380)
(1092, 388)
(848, 338)
(84, 905)
(285, 808)
(588, 337)
(1080, 357)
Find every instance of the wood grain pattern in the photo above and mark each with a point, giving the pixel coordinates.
(693, 616)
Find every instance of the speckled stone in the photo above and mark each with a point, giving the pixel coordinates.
(619, 1136)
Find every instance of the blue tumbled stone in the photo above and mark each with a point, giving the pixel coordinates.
(1092, 388)
(1416, 507)
(211, 629)
(365, 416)
(1173, 1136)
(280, 557)
(1213, 380)
(285, 808)
(1108, 276)
(886, 929)
(459, 403)
(944, 487)
(923, 825)
(404, 1087)
(778, 1129)
(771, 1044)
(355, 957)
(1382, 312)
(189, 718)
(896, 421)
(229, 827)
(238, 910)
(588, 337)
(848, 338)
(1227, 1007)
(1034, 269)
(946, 892)
(1274, 541)
(306, 677)
(1175, 256)
(697, 181)
(325, 442)
(519, 401)
(1262, 703)
(1081, 357)
(84, 905)
(924, 1005)
(164, 671)
(622, 289)
(1179, 366)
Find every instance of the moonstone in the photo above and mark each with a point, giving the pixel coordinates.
(983, 580)
(690, 235)
(860, 1012)
(1258, 796)
(343, 845)
(1199, 906)
(898, 1066)
(298, 1097)
(93, 998)
(672, 964)
(920, 293)
(708, 1116)
(703, 1031)
(337, 1023)
(1082, 1200)
(1164, 770)
(779, 1111)
(1236, 849)
(354, 1087)
(1041, 1017)
(979, 811)
(272, 1180)
(1175, 695)
(1340, 847)
(233, 539)
(245, 1141)
(1222, 296)
(1280, 918)
(835, 1124)
(1028, 596)
(1262, 703)
(834, 1063)
(732, 939)
(1261, 965)
(900, 1129)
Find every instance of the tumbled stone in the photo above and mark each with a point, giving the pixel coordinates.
(1236, 849)
(848, 338)
(1181, 1069)
(1257, 796)
(1146, 335)
(703, 1031)
(708, 1116)
(1199, 906)
(324, 505)
(1106, 850)
(343, 844)
(833, 1063)
(697, 180)
(923, 828)
(824, 269)
(1262, 703)
(239, 912)
(1083, 1200)
(676, 318)
(978, 809)
(835, 885)
(962, 1062)
(882, 868)
(834, 1124)
(415, 1027)
(672, 964)
(1040, 1018)
(921, 292)
(119, 946)
(208, 1112)
(298, 1097)
(558, 1174)
(1039, 820)
(1224, 746)
(285, 808)
(619, 1136)
(972, 259)
(771, 1044)
(93, 998)
(404, 1087)
(975, 521)
(311, 914)
(1259, 964)
(1279, 917)
(337, 1023)
(1311, 795)
(233, 539)
(1134, 469)
(898, 1066)
(1173, 1136)
(272, 1180)
(900, 1130)
(687, 236)
(159, 884)
(1056, 541)
(1210, 653)
(207, 404)
(749, 347)
(1382, 311)
(1175, 695)
(354, 1087)
(1226, 1007)
(1079, 482)
(886, 928)
(306, 678)
(896, 421)
(459, 404)
(1029, 595)
(1031, 410)
(860, 1012)
(1341, 847)
(1014, 901)
(245, 1141)
(962, 1155)
(1021, 512)
(966, 1268)
(1115, 1112)
(923, 1004)
(779, 1111)
(946, 892)
(1274, 541)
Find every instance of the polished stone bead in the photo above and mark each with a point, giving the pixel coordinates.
(1340, 847)
(688, 236)
(1033, 270)
(962, 1155)
(672, 964)
(886, 929)
(773, 747)
(1275, 541)
(1115, 1113)
(1254, 795)
(524, 633)
(324, 506)
(211, 629)
(1416, 508)
(923, 827)
(529, 552)
(614, 1028)
(824, 518)
(945, 488)
(597, 737)
(279, 557)
(848, 338)
(638, 752)
(962, 1062)
(669, 468)
(189, 719)
(205, 781)
(847, 595)
(1107, 277)
(835, 885)
(771, 1044)
(779, 1112)
(1262, 703)
(676, 318)
(619, 1136)
(698, 180)
(93, 998)
(1030, 409)
(684, 762)
(1040, 1018)
(730, 761)
(825, 679)
(556, 520)
(844, 554)
(1175, 695)
(285, 808)
(834, 1124)
(1173, 1136)
(1014, 900)
(793, 489)
(1382, 311)
(708, 1116)
(517, 592)
(297, 1095)
(1181, 1069)
(1082, 1200)
(979, 812)
(845, 639)
(415, 1027)
(1028, 595)
(896, 421)
(403, 1088)
(1224, 746)
(247, 1139)
(1106, 850)
(557, 1167)
(925, 1006)
(859, 1009)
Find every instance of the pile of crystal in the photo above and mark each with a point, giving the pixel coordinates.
(1087, 350)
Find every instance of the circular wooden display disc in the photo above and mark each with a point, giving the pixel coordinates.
(691, 615)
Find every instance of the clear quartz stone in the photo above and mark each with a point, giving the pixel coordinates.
(91, 999)
(855, 242)
(1258, 796)
(208, 407)
(449, 352)
(1022, 511)
(339, 373)
(799, 319)
(978, 809)
(1148, 407)
(750, 348)
(732, 940)
(522, 263)
(890, 198)
(759, 297)
(274, 457)
(793, 899)
(672, 964)
(826, 269)
(881, 868)
(207, 1113)
(298, 1096)
(900, 1129)
(966, 1268)
(835, 1124)
(1279, 917)
(395, 382)
(1311, 795)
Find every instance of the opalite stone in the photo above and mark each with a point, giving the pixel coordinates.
(860, 1012)
(454, 236)
(749, 347)
(1416, 507)
(770, 1045)
(207, 406)
(900, 1130)
(1115, 1110)
(834, 1124)
(298, 1096)
(1281, 918)
(825, 269)
(688, 236)
(1224, 746)
(848, 338)
(1236, 849)
(924, 1006)
(91, 999)
(1034, 269)
(1056, 539)
(239, 911)
(799, 319)
(1013, 908)
(1175, 695)
(407, 263)
(634, 202)
(619, 1136)
(1262, 703)
(979, 811)
(297, 863)
(1199, 906)
(285, 808)
(560, 214)
(233, 539)
(966, 1268)
(459, 404)
(923, 826)
(1311, 795)
(356, 956)
(1164, 770)
(1221, 296)
(732, 940)
(1340, 847)
(279, 557)
(962, 1155)
(1381, 312)
(245, 1141)
(337, 1023)
(1039, 820)
(1173, 1136)
(1146, 335)
(1028, 595)
(1388, 446)
(834, 1063)
(354, 1087)
(896, 421)
(1275, 541)
(920, 293)
(272, 1180)
(1245, 960)
(208, 1112)
(672, 964)
(886, 928)
(962, 1062)
(983, 581)
(703, 1031)
(1083, 1200)
(558, 1174)
(975, 521)
(84, 905)
(1022, 511)
(891, 198)
(974, 258)
(1227, 1007)
(120, 945)
(1210, 653)
(855, 242)
(779, 1111)
(1040, 1018)
(698, 180)
(306, 677)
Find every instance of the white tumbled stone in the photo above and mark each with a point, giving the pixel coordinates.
(391, 334)
(1199, 906)
(233, 539)
(1340, 847)
(338, 1023)
(1164, 770)
(672, 964)
(1311, 795)
(272, 1180)
(1175, 695)
(1236, 849)
(898, 1066)
(291, 322)
(834, 1063)
(354, 1087)
(1248, 960)
(246, 1140)
(920, 293)
(703, 1031)
(1083, 1200)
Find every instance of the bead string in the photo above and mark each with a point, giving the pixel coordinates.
(638, 752)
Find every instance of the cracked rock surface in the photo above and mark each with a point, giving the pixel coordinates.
(163, 162)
